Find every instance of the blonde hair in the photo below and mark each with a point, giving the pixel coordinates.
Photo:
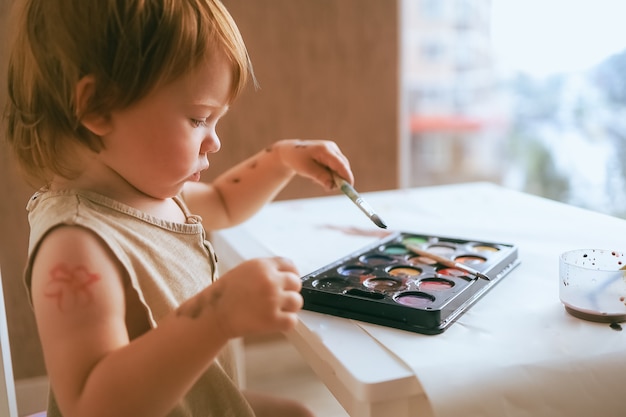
(128, 46)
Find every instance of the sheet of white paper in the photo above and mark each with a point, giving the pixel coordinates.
(349, 230)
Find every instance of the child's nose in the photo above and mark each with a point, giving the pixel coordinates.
(211, 143)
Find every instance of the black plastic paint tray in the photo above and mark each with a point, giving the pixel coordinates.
(387, 284)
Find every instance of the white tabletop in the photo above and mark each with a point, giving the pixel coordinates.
(516, 352)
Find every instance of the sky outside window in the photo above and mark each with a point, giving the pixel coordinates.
(568, 138)
(542, 37)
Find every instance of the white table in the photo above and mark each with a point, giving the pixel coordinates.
(516, 352)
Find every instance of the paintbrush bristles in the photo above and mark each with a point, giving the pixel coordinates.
(378, 221)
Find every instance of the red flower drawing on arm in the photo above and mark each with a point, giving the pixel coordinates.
(70, 286)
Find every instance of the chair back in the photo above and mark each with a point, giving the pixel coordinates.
(8, 402)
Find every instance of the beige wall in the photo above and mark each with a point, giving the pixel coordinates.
(327, 69)
(13, 245)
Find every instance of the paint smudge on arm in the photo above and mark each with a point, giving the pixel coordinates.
(194, 307)
(70, 287)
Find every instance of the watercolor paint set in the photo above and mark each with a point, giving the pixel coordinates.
(409, 281)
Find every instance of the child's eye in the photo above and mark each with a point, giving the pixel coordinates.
(198, 122)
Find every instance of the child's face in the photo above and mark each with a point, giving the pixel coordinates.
(162, 141)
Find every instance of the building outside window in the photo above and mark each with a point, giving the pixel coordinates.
(530, 94)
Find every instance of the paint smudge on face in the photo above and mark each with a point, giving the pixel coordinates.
(357, 231)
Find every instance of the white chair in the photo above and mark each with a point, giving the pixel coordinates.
(8, 403)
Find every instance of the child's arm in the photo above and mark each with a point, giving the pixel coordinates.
(80, 295)
(242, 190)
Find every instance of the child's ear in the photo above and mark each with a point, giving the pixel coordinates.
(97, 123)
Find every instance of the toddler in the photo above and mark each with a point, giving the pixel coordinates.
(112, 114)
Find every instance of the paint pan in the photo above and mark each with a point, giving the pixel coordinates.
(387, 284)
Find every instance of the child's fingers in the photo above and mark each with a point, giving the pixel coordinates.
(292, 282)
(333, 162)
(286, 322)
(292, 302)
(316, 159)
(290, 279)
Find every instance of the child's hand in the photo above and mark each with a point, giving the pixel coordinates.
(315, 159)
(259, 296)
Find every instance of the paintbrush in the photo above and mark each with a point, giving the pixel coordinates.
(352, 194)
(446, 261)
